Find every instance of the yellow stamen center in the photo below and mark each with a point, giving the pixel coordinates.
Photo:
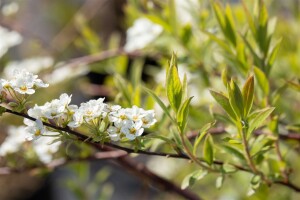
(132, 130)
(23, 88)
(37, 132)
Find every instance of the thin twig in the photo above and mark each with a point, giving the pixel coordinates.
(136, 167)
(109, 146)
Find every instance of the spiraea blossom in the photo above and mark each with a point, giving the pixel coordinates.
(23, 82)
(44, 147)
(88, 111)
(14, 140)
(12, 38)
(130, 122)
(57, 108)
(142, 33)
(35, 129)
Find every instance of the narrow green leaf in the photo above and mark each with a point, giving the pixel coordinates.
(262, 28)
(191, 178)
(260, 143)
(241, 57)
(249, 19)
(184, 88)
(208, 151)
(262, 80)
(259, 118)
(224, 102)
(229, 168)
(257, 59)
(248, 94)
(219, 14)
(182, 114)
(224, 76)
(219, 181)
(160, 103)
(201, 135)
(229, 25)
(273, 54)
(220, 42)
(294, 85)
(236, 99)
(173, 84)
(234, 151)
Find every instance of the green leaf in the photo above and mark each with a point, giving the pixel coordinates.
(224, 76)
(220, 181)
(272, 56)
(186, 34)
(249, 19)
(248, 95)
(261, 145)
(184, 88)
(229, 25)
(293, 85)
(257, 59)
(234, 151)
(219, 14)
(262, 80)
(220, 42)
(259, 118)
(2, 110)
(228, 168)
(236, 99)
(224, 102)
(262, 28)
(182, 114)
(190, 179)
(173, 84)
(160, 103)
(208, 149)
(201, 135)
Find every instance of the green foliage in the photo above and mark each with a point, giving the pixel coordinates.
(173, 84)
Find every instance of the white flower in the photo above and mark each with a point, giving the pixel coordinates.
(36, 112)
(148, 119)
(23, 82)
(4, 84)
(115, 131)
(45, 147)
(10, 8)
(14, 140)
(118, 116)
(57, 107)
(12, 38)
(35, 128)
(142, 33)
(132, 129)
(54, 109)
(77, 120)
(88, 111)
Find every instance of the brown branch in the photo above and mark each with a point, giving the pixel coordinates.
(136, 167)
(109, 147)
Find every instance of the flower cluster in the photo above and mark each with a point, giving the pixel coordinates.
(109, 121)
(23, 82)
(44, 148)
(105, 122)
(129, 122)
